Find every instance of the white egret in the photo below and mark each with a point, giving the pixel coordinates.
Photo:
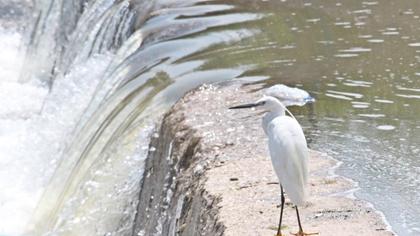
(288, 150)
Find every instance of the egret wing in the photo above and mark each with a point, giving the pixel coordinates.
(289, 155)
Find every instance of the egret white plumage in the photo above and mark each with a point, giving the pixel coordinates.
(288, 150)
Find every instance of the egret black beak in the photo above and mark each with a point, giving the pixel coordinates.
(250, 105)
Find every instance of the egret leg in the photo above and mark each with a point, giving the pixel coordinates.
(281, 210)
(301, 233)
(298, 218)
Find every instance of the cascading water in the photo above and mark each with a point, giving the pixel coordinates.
(95, 77)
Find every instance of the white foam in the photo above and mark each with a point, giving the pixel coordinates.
(346, 55)
(372, 115)
(384, 101)
(390, 33)
(11, 55)
(289, 96)
(356, 50)
(347, 94)
(375, 40)
(34, 124)
(414, 44)
(338, 96)
(385, 127)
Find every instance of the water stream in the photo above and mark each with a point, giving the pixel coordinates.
(96, 77)
(83, 83)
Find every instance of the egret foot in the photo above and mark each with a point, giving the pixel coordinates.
(301, 233)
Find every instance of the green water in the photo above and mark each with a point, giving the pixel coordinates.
(360, 59)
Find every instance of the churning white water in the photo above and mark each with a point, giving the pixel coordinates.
(33, 125)
(18, 103)
(78, 109)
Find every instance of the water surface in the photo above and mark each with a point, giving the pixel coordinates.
(360, 59)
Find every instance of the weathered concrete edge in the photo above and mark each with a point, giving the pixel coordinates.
(174, 199)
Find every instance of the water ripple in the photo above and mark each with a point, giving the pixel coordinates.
(385, 127)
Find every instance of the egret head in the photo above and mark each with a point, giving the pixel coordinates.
(266, 103)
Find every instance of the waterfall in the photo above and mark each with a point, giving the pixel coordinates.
(107, 70)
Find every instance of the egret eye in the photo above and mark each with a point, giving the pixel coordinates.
(262, 103)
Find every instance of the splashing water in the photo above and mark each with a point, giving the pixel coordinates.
(76, 117)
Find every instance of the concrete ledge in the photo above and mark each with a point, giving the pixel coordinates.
(210, 174)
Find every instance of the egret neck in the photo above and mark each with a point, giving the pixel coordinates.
(276, 109)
